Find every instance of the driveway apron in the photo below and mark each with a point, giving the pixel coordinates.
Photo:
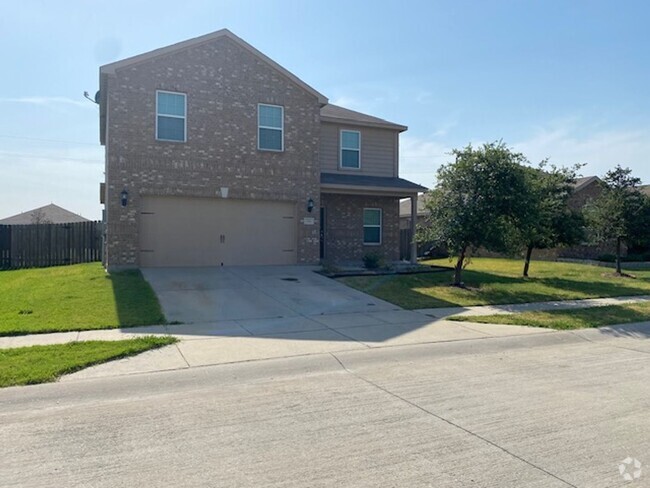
(205, 295)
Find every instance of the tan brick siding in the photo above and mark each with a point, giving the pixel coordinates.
(344, 227)
(224, 83)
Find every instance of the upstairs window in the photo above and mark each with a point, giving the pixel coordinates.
(350, 149)
(372, 226)
(170, 116)
(270, 127)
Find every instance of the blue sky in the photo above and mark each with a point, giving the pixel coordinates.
(567, 80)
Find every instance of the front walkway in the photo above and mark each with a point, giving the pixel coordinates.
(230, 341)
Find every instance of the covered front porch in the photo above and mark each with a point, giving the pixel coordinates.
(360, 216)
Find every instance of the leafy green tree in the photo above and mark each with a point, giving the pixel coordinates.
(548, 221)
(619, 212)
(476, 201)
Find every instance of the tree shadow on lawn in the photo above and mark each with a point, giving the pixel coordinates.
(135, 301)
(480, 288)
(485, 288)
(613, 287)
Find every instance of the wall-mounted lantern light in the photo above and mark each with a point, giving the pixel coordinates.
(124, 197)
(310, 205)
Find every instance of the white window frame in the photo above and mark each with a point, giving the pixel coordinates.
(341, 148)
(381, 227)
(172, 116)
(259, 126)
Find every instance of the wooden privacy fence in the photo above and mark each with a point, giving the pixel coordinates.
(41, 245)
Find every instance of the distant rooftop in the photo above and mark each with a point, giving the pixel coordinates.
(584, 181)
(405, 206)
(48, 214)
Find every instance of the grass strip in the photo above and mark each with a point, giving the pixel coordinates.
(41, 364)
(581, 318)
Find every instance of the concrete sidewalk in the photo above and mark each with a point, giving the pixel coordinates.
(211, 344)
(231, 341)
(533, 411)
(531, 307)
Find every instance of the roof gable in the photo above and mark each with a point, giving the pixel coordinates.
(584, 182)
(48, 214)
(110, 68)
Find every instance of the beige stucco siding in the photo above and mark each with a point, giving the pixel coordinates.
(378, 150)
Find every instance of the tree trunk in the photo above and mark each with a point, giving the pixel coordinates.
(459, 268)
(529, 253)
(618, 256)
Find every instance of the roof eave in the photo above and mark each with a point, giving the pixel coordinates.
(368, 190)
(379, 125)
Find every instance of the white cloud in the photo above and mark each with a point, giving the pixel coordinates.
(48, 101)
(68, 177)
(370, 98)
(568, 142)
(420, 158)
(424, 97)
(349, 102)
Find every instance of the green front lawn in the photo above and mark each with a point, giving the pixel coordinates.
(498, 281)
(569, 319)
(77, 297)
(40, 364)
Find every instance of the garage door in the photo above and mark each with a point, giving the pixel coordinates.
(177, 231)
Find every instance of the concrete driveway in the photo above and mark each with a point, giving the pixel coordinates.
(208, 295)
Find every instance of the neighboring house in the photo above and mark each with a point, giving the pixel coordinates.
(49, 214)
(645, 189)
(586, 188)
(216, 155)
(405, 212)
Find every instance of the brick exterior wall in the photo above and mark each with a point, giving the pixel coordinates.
(224, 83)
(579, 198)
(344, 227)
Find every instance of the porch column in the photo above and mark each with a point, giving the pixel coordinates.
(414, 219)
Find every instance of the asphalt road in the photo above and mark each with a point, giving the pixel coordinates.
(541, 411)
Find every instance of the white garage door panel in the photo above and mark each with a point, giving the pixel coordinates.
(176, 231)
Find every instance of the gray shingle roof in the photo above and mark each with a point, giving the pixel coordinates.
(405, 206)
(369, 181)
(49, 214)
(334, 113)
(584, 181)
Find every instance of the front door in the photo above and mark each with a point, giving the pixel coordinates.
(322, 232)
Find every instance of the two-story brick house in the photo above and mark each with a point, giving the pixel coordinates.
(216, 155)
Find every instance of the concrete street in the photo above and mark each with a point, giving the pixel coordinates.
(547, 410)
